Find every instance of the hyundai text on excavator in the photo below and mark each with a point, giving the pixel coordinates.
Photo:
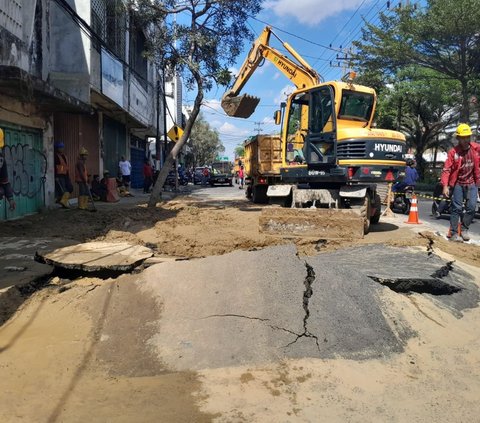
(331, 156)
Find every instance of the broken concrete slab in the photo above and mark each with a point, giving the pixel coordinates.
(97, 257)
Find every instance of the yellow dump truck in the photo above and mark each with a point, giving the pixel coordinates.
(263, 160)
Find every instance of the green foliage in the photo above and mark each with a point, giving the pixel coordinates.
(196, 37)
(239, 150)
(444, 36)
(204, 143)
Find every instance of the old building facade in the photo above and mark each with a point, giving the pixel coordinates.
(72, 71)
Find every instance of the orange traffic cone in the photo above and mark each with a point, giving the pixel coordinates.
(413, 215)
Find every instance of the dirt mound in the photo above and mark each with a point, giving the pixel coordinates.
(184, 227)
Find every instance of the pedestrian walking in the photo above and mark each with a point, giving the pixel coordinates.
(205, 175)
(125, 171)
(5, 187)
(460, 178)
(81, 178)
(147, 176)
(63, 185)
(241, 177)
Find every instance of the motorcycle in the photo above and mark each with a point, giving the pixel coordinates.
(402, 198)
(182, 178)
(442, 205)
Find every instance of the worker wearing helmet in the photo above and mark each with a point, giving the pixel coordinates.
(5, 187)
(63, 185)
(81, 178)
(460, 178)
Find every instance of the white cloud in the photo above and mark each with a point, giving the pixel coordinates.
(230, 129)
(234, 71)
(310, 12)
(212, 104)
(282, 95)
(268, 120)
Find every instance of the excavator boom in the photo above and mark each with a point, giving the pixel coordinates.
(299, 72)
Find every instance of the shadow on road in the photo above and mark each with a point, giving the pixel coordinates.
(383, 227)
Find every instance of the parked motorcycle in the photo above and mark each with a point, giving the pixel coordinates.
(402, 199)
(442, 205)
(182, 178)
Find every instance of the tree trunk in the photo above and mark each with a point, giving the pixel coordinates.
(465, 112)
(162, 176)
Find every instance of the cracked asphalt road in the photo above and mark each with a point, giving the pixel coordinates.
(253, 307)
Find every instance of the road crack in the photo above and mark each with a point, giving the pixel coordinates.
(236, 315)
(307, 294)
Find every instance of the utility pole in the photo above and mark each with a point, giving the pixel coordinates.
(164, 114)
(343, 61)
(258, 127)
(157, 140)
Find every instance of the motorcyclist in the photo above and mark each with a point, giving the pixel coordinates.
(411, 177)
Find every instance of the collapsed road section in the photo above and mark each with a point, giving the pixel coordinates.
(258, 306)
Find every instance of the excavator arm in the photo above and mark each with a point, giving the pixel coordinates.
(299, 72)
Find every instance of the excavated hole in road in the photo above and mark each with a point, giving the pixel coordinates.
(433, 286)
(73, 274)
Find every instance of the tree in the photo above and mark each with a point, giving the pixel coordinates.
(198, 39)
(444, 36)
(420, 104)
(204, 142)
(239, 151)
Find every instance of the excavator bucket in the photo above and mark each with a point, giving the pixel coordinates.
(312, 223)
(240, 106)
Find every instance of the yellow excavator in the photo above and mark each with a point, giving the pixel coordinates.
(332, 157)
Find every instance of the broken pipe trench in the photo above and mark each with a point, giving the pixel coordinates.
(435, 285)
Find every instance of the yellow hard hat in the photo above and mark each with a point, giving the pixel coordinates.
(463, 130)
(2, 138)
(83, 152)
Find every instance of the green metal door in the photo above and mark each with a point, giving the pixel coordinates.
(27, 166)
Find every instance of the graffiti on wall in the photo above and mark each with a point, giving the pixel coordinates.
(27, 169)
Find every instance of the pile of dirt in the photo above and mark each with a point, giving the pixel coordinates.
(183, 227)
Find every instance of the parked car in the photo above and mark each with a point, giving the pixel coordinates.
(198, 175)
(221, 173)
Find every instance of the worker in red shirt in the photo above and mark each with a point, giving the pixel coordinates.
(147, 176)
(460, 178)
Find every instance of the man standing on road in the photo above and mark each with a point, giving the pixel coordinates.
(81, 178)
(205, 175)
(125, 171)
(241, 177)
(63, 185)
(460, 178)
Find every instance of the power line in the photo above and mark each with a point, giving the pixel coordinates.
(294, 35)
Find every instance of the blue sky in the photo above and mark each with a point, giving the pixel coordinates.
(309, 26)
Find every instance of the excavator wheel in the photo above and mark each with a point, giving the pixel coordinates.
(362, 207)
(259, 194)
(378, 210)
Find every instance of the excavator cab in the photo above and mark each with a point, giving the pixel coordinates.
(310, 131)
